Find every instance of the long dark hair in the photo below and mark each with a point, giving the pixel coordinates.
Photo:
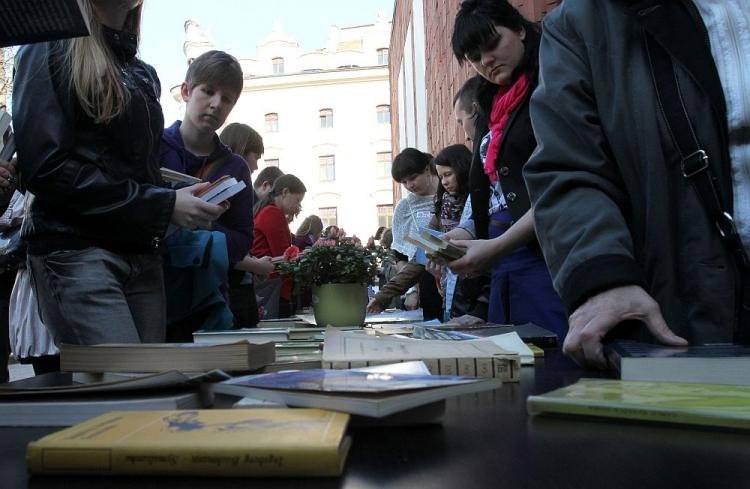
(458, 157)
(287, 181)
(474, 28)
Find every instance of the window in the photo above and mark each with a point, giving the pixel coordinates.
(272, 162)
(385, 215)
(272, 122)
(383, 56)
(326, 118)
(277, 65)
(384, 114)
(327, 168)
(329, 216)
(384, 164)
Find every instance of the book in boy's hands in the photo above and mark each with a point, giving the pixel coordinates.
(31, 21)
(669, 402)
(172, 176)
(206, 443)
(705, 364)
(365, 393)
(435, 246)
(220, 190)
(157, 357)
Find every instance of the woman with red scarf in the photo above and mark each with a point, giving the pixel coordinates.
(502, 47)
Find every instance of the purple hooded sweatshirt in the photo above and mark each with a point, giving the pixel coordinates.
(237, 222)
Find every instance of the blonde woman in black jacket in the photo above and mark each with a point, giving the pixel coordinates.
(88, 124)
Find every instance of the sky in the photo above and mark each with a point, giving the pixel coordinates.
(236, 26)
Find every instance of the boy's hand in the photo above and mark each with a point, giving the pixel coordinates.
(191, 212)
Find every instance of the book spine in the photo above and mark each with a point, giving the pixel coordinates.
(175, 460)
(448, 366)
(467, 367)
(541, 404)
(507, 369)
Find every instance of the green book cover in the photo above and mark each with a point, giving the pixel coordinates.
(670, 402)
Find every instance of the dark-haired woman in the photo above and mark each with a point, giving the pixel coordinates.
(502, 46)
(416, 171)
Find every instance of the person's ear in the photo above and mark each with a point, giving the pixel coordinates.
(522, 34)
(185, 91)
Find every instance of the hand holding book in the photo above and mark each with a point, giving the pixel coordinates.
(192, 211)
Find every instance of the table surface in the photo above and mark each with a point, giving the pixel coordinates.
(485, 440)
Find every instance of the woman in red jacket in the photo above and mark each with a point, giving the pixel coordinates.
(272, 235)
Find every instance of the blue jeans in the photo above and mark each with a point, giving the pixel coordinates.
(93, 296)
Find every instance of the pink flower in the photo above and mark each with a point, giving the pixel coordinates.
(370, 241)
(324, 242)
(291, 253)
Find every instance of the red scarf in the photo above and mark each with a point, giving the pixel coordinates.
(505, 101)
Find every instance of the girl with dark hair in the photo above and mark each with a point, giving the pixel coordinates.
(416, 171)
(272, 235)
(502, 47)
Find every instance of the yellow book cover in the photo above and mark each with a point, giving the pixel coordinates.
(669, 402)
(229, 442)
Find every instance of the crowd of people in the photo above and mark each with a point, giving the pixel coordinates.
(604, 194)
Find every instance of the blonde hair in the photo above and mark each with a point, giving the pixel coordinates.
(93, 72)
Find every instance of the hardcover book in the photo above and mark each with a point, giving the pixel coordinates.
(157, 357)
(205, 443)
(706, 364)
(374, 394)
(669, 402)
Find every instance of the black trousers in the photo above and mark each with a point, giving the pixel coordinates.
(429, 297)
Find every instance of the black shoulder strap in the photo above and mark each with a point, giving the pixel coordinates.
(695, 167)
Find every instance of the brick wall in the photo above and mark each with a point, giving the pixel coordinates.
(443, 75)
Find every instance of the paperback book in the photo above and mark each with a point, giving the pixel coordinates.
(435, 246)
(472, 358)
(157, 357)
(670, 402)
(356, 392)
(707, 364)
(203, 443)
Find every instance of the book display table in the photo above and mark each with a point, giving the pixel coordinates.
(485, 440)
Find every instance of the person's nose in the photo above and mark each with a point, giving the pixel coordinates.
(486, 59)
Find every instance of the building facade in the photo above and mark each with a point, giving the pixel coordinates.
(324, 116)
(425, 75)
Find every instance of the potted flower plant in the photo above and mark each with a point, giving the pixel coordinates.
(338, 269)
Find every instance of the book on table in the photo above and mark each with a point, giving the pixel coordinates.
(205, 443)
(257, 335)
(529, 332)
(670, 402)
(708, 364)
(356, 392)
(52, 400)
(473, 358)
(156, 357)
(32, 21)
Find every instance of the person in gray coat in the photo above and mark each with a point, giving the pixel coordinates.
(623, 231)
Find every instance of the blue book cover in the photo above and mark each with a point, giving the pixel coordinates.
(323, 380)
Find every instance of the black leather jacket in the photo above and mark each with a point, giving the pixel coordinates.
(94, 184)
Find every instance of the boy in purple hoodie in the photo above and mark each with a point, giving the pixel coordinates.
(212, 85)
